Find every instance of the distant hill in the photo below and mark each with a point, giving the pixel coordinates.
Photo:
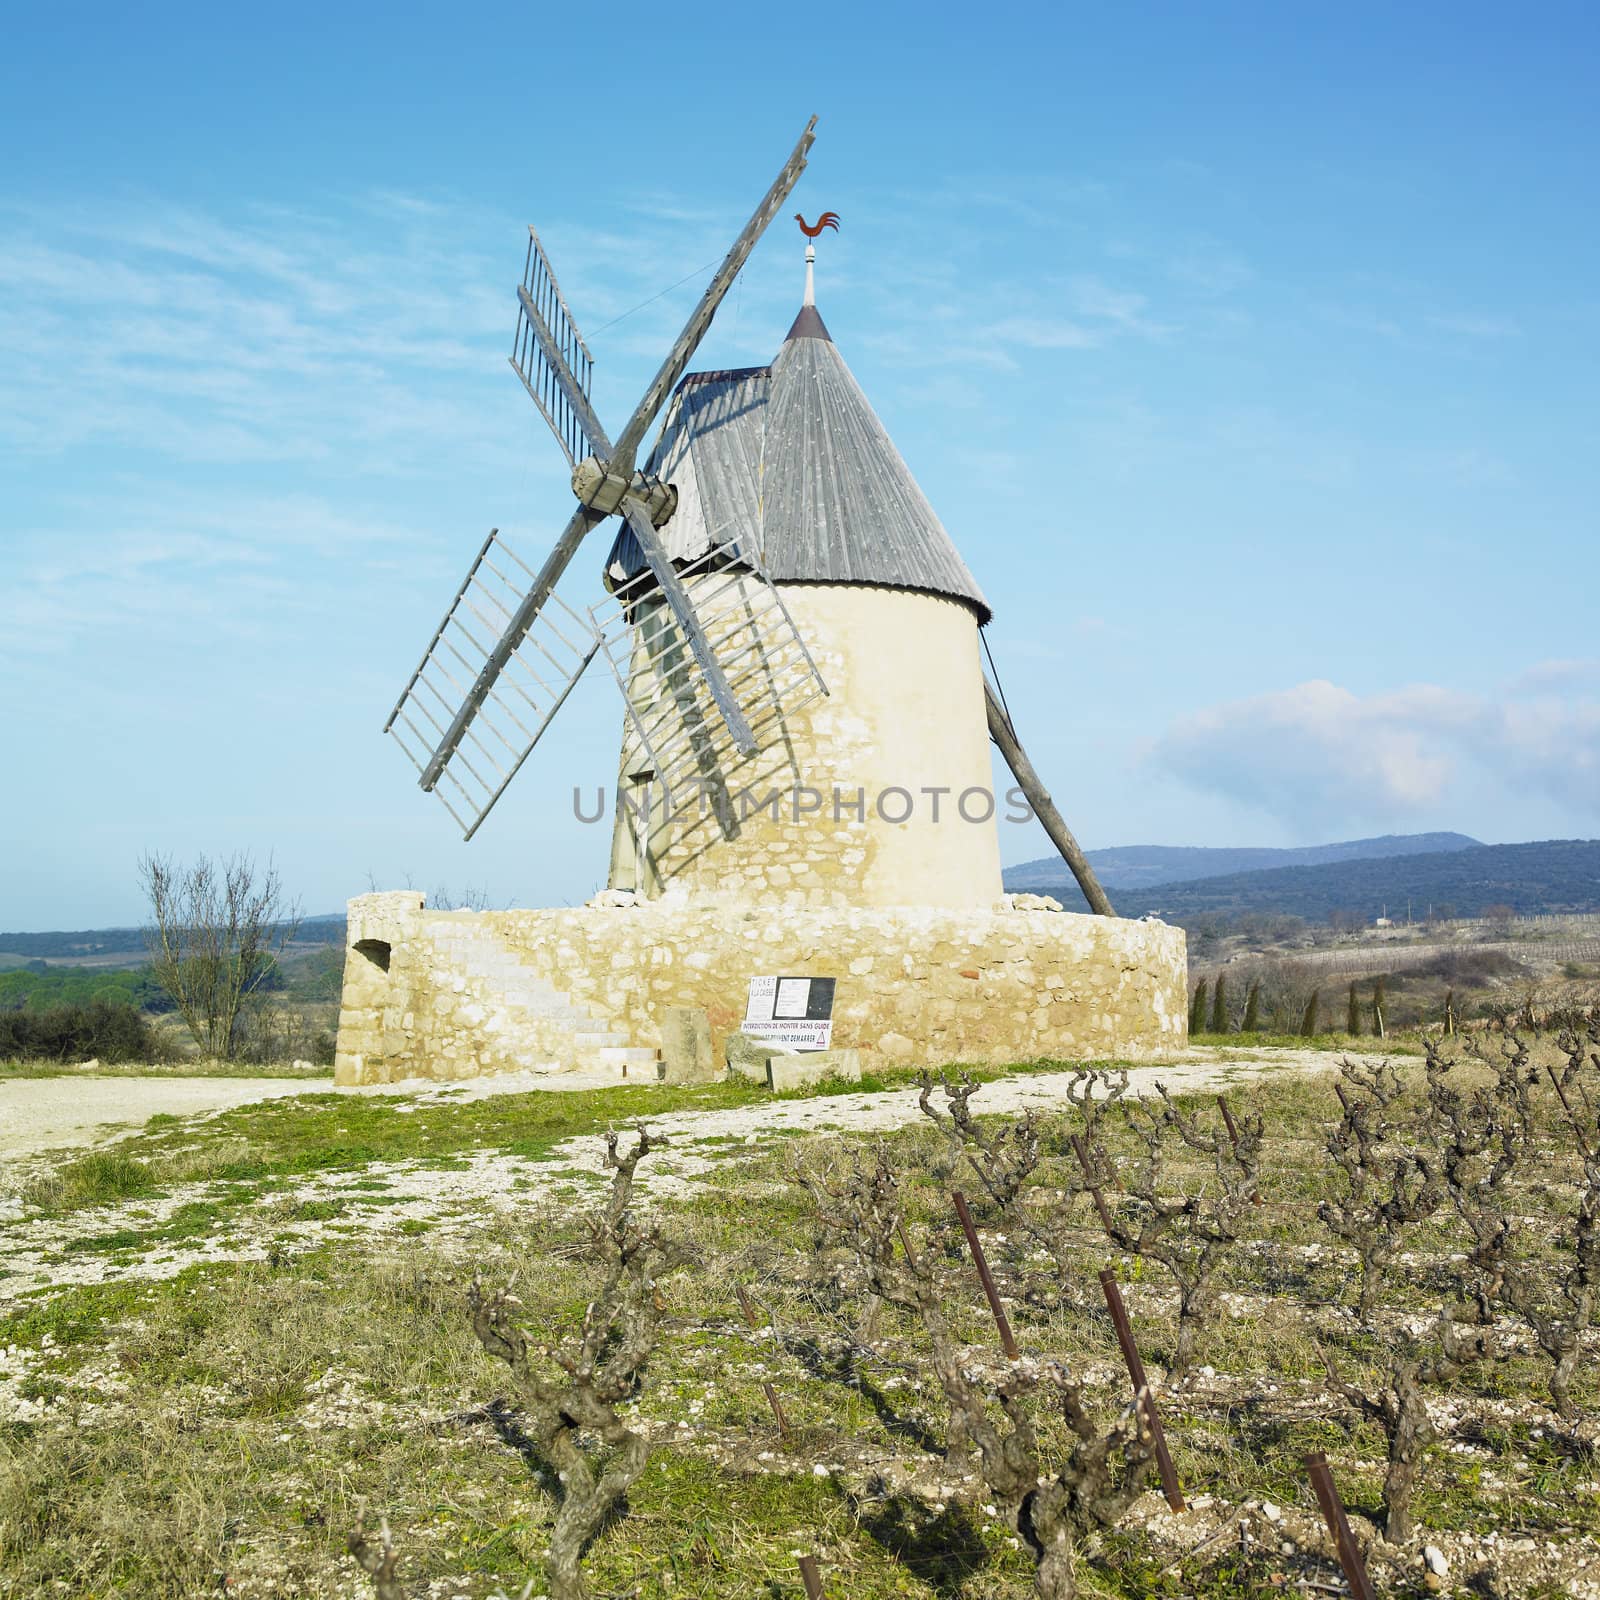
(125, 946)
(1141, 866)
(1552, 875)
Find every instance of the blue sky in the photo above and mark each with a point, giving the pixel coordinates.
(1248, 352)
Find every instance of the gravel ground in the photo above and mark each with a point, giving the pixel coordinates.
(48, 1113)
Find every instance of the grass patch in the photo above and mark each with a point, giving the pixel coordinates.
(301, 1135)
(31, 1068)
(1343, 1043)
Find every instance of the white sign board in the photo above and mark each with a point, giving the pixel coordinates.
(796, 1013)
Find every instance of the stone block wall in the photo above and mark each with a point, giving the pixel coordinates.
(914, 984)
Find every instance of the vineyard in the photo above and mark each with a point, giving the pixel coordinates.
(1311, 1334)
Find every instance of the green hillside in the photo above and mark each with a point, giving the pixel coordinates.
(32, 990)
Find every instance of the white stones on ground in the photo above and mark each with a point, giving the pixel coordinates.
(614, 900)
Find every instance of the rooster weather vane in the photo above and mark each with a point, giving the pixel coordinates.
(828, 219)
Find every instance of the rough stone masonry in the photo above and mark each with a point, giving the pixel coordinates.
(452, 994)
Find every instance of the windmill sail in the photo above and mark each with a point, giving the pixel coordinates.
(689, 748)
(552, 360)
(555, 367)
(531, 686)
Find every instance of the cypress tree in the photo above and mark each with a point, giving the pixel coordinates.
(1197, 1009)
(1352, 1015)
(1377, 1007)
(1308, 1023)
(1252, 1009)
(1219, 1006)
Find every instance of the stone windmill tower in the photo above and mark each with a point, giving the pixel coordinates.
(878, 793)
(804, 787)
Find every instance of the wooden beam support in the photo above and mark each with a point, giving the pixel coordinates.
(1044, 808)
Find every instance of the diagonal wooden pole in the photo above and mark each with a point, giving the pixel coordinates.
(1141, 1389)
(1008, 1341)
(1355, 1569)
(1044, 808)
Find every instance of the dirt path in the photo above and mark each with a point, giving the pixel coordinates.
(47, 1113)
(39, 1114)
(452, 1201)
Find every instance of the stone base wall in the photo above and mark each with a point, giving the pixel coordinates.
(914, 984)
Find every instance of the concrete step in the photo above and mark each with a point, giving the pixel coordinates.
(524, 1003)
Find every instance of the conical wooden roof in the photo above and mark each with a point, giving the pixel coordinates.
(794, 457)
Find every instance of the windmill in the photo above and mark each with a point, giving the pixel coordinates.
(718, 684)
(509, 651)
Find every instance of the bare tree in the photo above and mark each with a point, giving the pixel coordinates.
(216, 932)
(572, 1419)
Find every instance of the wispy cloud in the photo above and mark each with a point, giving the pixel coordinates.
(1474, 327)
(193, 337)
(1556, 677)
(1318, 755)
(192, 569)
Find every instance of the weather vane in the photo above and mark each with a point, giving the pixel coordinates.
(828, 219)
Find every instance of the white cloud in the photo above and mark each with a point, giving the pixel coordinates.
(1553, 676)
(1319, 756)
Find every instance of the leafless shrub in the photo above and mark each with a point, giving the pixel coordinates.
(1554, 1287)
(1193, 1235)
(1397, 1402)
(1092, 1093)
(572, 1419)
(1051, 1509)
(1389, 1183)
(379, 1559)
(1006, 1161)
(1003, 1159)
(1397, 1158)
